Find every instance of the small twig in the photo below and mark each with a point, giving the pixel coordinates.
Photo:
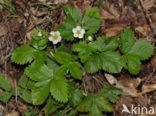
(7, 56)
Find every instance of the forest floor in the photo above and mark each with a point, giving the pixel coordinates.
(139, 15)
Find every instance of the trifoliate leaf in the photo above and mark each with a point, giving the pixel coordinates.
(63, 57)
(26, 96)
(5, 96)
(5, 83)
(23, 81)
(111, 93)
(75, 97)
(142, 49)
(23, 54)
(91, 24)
(93, 12)
(93, 64)
(50, 107)
(133, 64)
(94, 104)
(75, 70)
(127, 40)
(73, 15)
(111, 62)
(42, 74)
(59, 89)
(39, 95)
(66, 31)
(84, 51)
(52, 66)
(106, 44)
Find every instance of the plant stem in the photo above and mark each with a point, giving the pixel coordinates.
(55, 49)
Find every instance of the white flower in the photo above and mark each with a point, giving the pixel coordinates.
(55, 37)
(78, 32)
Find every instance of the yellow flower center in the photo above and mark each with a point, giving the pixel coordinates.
(55, 37)
(78, 32)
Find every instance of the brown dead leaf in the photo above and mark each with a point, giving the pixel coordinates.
(13, 113)
(111, 79)
(148, 88)
(3, 30)
(115, 29)
(60, 1)
(149, 4)
(153, 61)
(143, 29)
(39, 13)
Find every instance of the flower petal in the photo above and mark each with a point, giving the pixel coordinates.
(78, 28)
(52, 33)
(81, 36)
(59, 38)
(55, 41)
(58, 33)
(76, 35)
(82, 31)
(50, 38)
(74, 30)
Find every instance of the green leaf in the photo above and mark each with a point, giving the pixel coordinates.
(50, 107)
(59, 89)
(66, 31)
(107, 44)
(62, 70)
(39, 59)
(5, 83)
(127, 40)
(23, 81)
(5, 96)
(39, 95)
(52, 66)
(92, 24)
(23, 54)
(42, 83)
(124, 61)
(93, 12)
(73, 15)
(111, 62)
(26, 96)
(142, 49)
(94, 104)
(133, 64)
(42, 74)
(75, 97)
(93, 64)
(84, 51)
(63, 57)
(31, 85)
(75, 70)
(111, 93)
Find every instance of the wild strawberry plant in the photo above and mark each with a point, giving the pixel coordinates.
(45, 79)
